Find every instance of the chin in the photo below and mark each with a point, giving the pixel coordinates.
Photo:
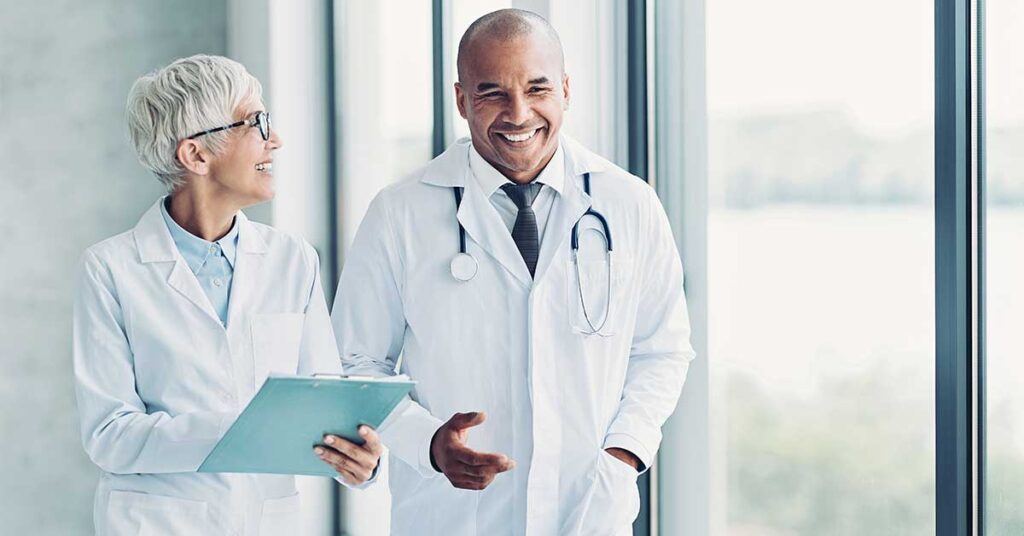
(265, 196)
(258, 197)
(521, 165)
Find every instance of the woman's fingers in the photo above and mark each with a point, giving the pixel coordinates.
(351, 470)
(357, 453)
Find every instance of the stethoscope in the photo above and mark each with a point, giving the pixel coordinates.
(464, 266)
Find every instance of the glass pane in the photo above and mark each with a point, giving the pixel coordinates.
(385, 103)
(821, 266)
(385, 100)
(1004, 236)
(591, 39)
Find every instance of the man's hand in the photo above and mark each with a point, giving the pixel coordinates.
(464, 467)
(355, 463)
(626, 457)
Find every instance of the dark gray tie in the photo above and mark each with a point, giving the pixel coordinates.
(524, 232)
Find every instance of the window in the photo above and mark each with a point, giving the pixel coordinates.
(821, 261)
(1004, 236)
(383, 61)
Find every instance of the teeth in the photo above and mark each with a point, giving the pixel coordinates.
(268, 166)
(519, 137)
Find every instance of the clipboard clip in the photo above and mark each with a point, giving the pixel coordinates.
(342, 376)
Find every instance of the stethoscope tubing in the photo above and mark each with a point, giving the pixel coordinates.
(461, 272)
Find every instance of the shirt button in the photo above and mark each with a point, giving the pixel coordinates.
(213, 248)
(217, 282)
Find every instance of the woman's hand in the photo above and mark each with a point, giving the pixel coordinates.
(355, 463)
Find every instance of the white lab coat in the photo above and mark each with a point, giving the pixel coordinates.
(159, 379)
(512, 347)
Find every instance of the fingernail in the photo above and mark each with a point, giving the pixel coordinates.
(329, 440)
(319, 451)
(363, 430)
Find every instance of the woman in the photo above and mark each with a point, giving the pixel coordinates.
(178, 321)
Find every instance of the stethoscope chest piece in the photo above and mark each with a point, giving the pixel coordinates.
(464, 267)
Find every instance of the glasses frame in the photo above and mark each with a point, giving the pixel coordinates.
(259, 119)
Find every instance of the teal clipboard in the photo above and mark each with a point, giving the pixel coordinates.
(276, 432)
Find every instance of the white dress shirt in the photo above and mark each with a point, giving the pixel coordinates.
(491, 180)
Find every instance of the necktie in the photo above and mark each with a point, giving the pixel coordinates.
(524, 232)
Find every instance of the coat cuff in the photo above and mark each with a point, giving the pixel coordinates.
(371, 481)
(632, 444)
(408, 433)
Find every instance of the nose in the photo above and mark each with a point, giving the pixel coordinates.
(274, 141)
(518, 111)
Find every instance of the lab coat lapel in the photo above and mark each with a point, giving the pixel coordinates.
(567, 210)
(484, 226)
(184, 281)
(571, 204)
(248, 265)
(156, 245)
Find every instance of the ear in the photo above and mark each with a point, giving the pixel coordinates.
(565, 92)
(459, 94)
(193, 157)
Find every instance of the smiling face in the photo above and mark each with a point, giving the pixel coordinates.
(513, 93)
(244, 172)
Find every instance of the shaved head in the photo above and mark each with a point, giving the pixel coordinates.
(502, 26)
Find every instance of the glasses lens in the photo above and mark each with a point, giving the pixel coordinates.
(263, 120)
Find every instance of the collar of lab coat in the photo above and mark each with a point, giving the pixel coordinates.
(156, 245)
(451, 168)
(483, 224)
(491, 180)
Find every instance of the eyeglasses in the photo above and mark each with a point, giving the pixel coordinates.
(259, 119)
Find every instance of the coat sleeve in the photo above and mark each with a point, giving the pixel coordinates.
(118, 433)
(369, 322)
(661, 352)
(318, 353)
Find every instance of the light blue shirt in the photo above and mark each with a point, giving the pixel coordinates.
(213, 263)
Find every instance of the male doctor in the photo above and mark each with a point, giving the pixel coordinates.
(545, 371)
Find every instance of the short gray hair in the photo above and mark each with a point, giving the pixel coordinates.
(188, 96)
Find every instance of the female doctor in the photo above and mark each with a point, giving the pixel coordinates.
(178, 321)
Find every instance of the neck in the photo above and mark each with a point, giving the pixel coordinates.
(204, 216)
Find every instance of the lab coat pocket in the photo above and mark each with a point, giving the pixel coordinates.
(280, 516)
(276, 340)
(614, 500)
(596, 293)
(132, 513)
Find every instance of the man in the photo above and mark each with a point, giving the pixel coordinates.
(545, 370)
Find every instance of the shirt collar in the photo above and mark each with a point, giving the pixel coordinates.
(491, 180)
(195, 250)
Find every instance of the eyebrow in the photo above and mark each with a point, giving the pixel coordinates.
(485, 86)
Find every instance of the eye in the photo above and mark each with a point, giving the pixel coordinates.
(538, 89)
(491, 95)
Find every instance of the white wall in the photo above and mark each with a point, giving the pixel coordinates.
(68, 178)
